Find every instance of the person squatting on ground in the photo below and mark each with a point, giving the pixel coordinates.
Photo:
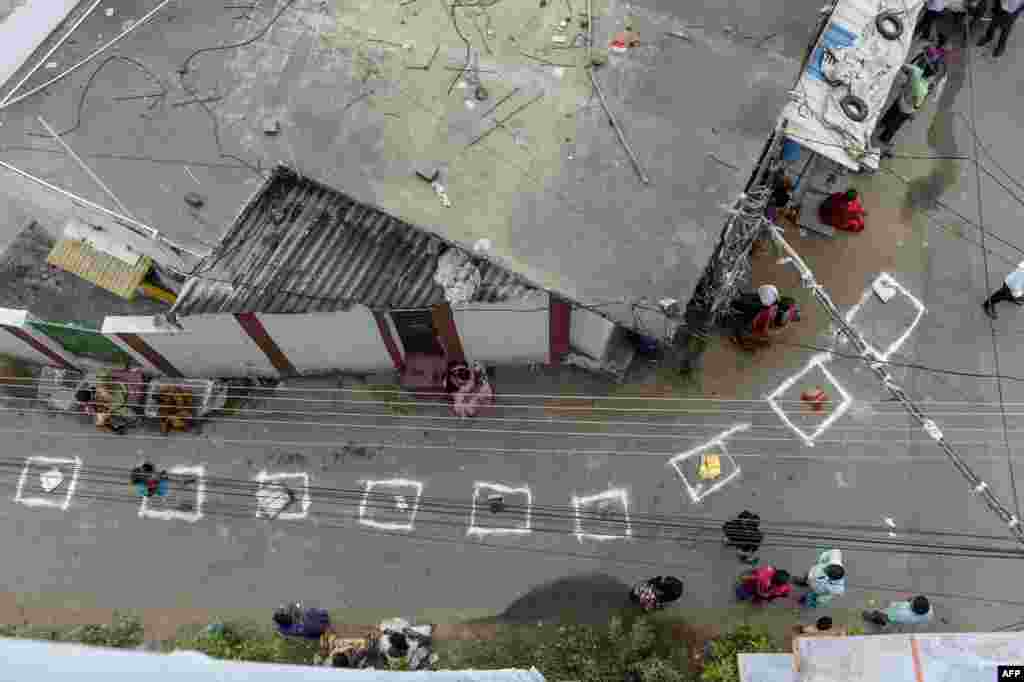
(843, 211)
(744, 533)
(655, 592)
(757, 314)
(917, 611)
(763, 584)
(826, 578)
(1004, 15)
(1012, 290)
(293, 621)
(911, 95)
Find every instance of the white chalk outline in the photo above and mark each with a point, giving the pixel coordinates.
(817, 361)
(697, 494)
(76, 467)
(265, 477)
(386, 525)
(199, 473)
(504, 490)
(887, 280)
(611, 494)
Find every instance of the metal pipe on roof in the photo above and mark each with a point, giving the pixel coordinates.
(67, 72)
(110, 193)
(56, 46)
(135, 226)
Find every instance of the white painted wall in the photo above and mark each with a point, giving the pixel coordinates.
(323, 341)
(590, 333)
(209, 345)
(505, 332)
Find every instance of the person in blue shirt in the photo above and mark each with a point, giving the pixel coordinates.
(917, 611)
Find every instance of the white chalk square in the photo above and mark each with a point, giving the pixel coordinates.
(686, 464)
(885, 283)
(48, 482)
(811, 431)
(518, 506)
(390, 504)
(164, 508)
(604, 516)
(272, 497)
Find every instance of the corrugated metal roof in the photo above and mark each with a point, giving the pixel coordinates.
(102, 269)
(299, 246)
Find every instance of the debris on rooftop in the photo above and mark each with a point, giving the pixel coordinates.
(457, 275)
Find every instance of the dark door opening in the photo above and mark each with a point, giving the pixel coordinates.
(416, 330)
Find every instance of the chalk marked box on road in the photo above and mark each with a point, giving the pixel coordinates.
(603, 516)
(885, 283)
(157, 508)
(809, 434)
(48, 482)
(272, 496)
(518, 503)
(390, 504)
(686, 463)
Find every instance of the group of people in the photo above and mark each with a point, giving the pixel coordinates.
(1004, 15)
(824, 581)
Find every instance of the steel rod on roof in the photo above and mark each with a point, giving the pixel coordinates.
(110, 193)
(618, 129)
(67, 72)
(49, 53)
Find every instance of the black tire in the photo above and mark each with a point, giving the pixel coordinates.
(855, 108)
(889, 25)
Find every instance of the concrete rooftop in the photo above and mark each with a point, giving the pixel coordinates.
(551, 189)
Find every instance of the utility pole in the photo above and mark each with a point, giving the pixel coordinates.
(978, 486)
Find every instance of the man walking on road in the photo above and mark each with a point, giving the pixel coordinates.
(1012, 290)
(1004, 14)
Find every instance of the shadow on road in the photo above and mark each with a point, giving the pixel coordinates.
(589, 598)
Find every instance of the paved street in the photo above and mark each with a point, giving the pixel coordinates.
(871, 465)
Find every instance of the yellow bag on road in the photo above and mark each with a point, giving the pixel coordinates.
(710, 467)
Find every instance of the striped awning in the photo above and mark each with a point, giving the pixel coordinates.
(102, 269)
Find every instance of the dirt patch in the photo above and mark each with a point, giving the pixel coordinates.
(695, 638)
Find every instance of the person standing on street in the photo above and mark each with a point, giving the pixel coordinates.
(909, 100)
(1012, 290)
(1004, 14)
(744, 533)
(917, 611)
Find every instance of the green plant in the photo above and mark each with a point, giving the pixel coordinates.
(124, 632)
(240, 642)
(722, 665)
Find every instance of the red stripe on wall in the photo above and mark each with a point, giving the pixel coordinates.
(559, 330)
(137, 344)
(389, 340)
(258, 333)
(39, 347)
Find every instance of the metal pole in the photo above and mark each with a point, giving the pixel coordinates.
(67, 72)
(979, 487)
(81, 164)
(49, 53)
(618, 129)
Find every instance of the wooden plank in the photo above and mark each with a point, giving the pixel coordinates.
(101, 269)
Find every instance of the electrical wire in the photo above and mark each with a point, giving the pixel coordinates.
(89, 83)
(984, 255)
(784, 535)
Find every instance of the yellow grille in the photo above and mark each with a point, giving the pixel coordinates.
(103, 270)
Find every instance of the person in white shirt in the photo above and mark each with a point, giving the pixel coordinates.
(1012, 290)
(1004, 14)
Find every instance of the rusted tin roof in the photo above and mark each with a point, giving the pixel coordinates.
(102, 269)
(299, 246)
